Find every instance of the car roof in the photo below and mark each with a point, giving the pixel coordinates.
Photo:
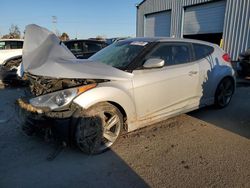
(11, 40)
(168, 39)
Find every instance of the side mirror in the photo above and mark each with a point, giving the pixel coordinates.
(154, 63)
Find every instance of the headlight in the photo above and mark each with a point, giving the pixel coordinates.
(60, 98)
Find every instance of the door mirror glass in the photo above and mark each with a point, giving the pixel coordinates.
(154, 63)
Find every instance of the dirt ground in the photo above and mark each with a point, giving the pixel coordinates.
(205, 148)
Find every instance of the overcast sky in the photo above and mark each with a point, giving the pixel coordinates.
(81, 18)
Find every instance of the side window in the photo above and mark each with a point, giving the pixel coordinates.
(19, 45)
(74, 47)
(180, 54)
(94, 47)
(201, 51)
(162, 52)
(7, 45)
(2, 45)
(13, 45)
(171, 53)
(85, 47)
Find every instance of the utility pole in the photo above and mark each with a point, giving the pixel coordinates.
(76, 35)
(54, 22)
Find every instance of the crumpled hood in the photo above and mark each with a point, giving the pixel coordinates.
(45, 55)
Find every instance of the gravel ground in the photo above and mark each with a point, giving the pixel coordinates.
(206, 148)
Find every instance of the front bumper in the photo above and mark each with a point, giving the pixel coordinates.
(61, 123)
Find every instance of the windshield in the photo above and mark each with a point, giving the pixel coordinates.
(119, 54)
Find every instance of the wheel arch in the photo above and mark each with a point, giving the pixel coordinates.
(224, 77)
(115, 96)
(120, 108)
(224, 100)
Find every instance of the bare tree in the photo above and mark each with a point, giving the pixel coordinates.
(14, 33)
(99, 37)
(64, 37)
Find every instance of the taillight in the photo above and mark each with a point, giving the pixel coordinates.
(226, 58)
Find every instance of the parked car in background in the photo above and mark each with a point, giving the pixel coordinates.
(244, 64)
(83, 49)
(10, 59)
(125, 86)
(10, 51)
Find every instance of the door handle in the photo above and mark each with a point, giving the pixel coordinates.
(192, 73)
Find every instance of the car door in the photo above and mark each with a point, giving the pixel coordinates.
(159, 92)
(209, 68)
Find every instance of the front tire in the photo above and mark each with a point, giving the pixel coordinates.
(98, 131)
(224, 93)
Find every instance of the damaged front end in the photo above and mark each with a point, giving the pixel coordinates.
(48, 107)
(55, 78)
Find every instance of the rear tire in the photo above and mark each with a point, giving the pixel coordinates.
(224, 93)
(98, 131)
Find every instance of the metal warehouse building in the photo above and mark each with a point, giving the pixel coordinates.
(225, 22)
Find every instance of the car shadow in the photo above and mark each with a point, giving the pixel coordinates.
(23, 160)
(235, 117)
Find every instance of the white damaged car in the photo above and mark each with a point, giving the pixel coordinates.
(127, 85)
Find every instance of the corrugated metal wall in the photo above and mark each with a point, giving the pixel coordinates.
(157, 24)
(176, 6)
(236, 34)
(205, 18)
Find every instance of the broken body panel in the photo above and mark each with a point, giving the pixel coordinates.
(45, 55)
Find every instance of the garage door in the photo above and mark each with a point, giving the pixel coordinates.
(157, 24)
(206, 18)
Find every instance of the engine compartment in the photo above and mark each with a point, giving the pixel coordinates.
(40, 85)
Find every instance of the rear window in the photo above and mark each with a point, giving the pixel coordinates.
(201, 51)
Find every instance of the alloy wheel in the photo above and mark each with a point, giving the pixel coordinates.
(97, 133)
(224, 92)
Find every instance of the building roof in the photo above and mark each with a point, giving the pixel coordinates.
(140, 3)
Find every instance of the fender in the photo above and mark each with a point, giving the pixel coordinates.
(105, 94)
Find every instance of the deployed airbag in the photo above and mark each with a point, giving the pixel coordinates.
(45, 55)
